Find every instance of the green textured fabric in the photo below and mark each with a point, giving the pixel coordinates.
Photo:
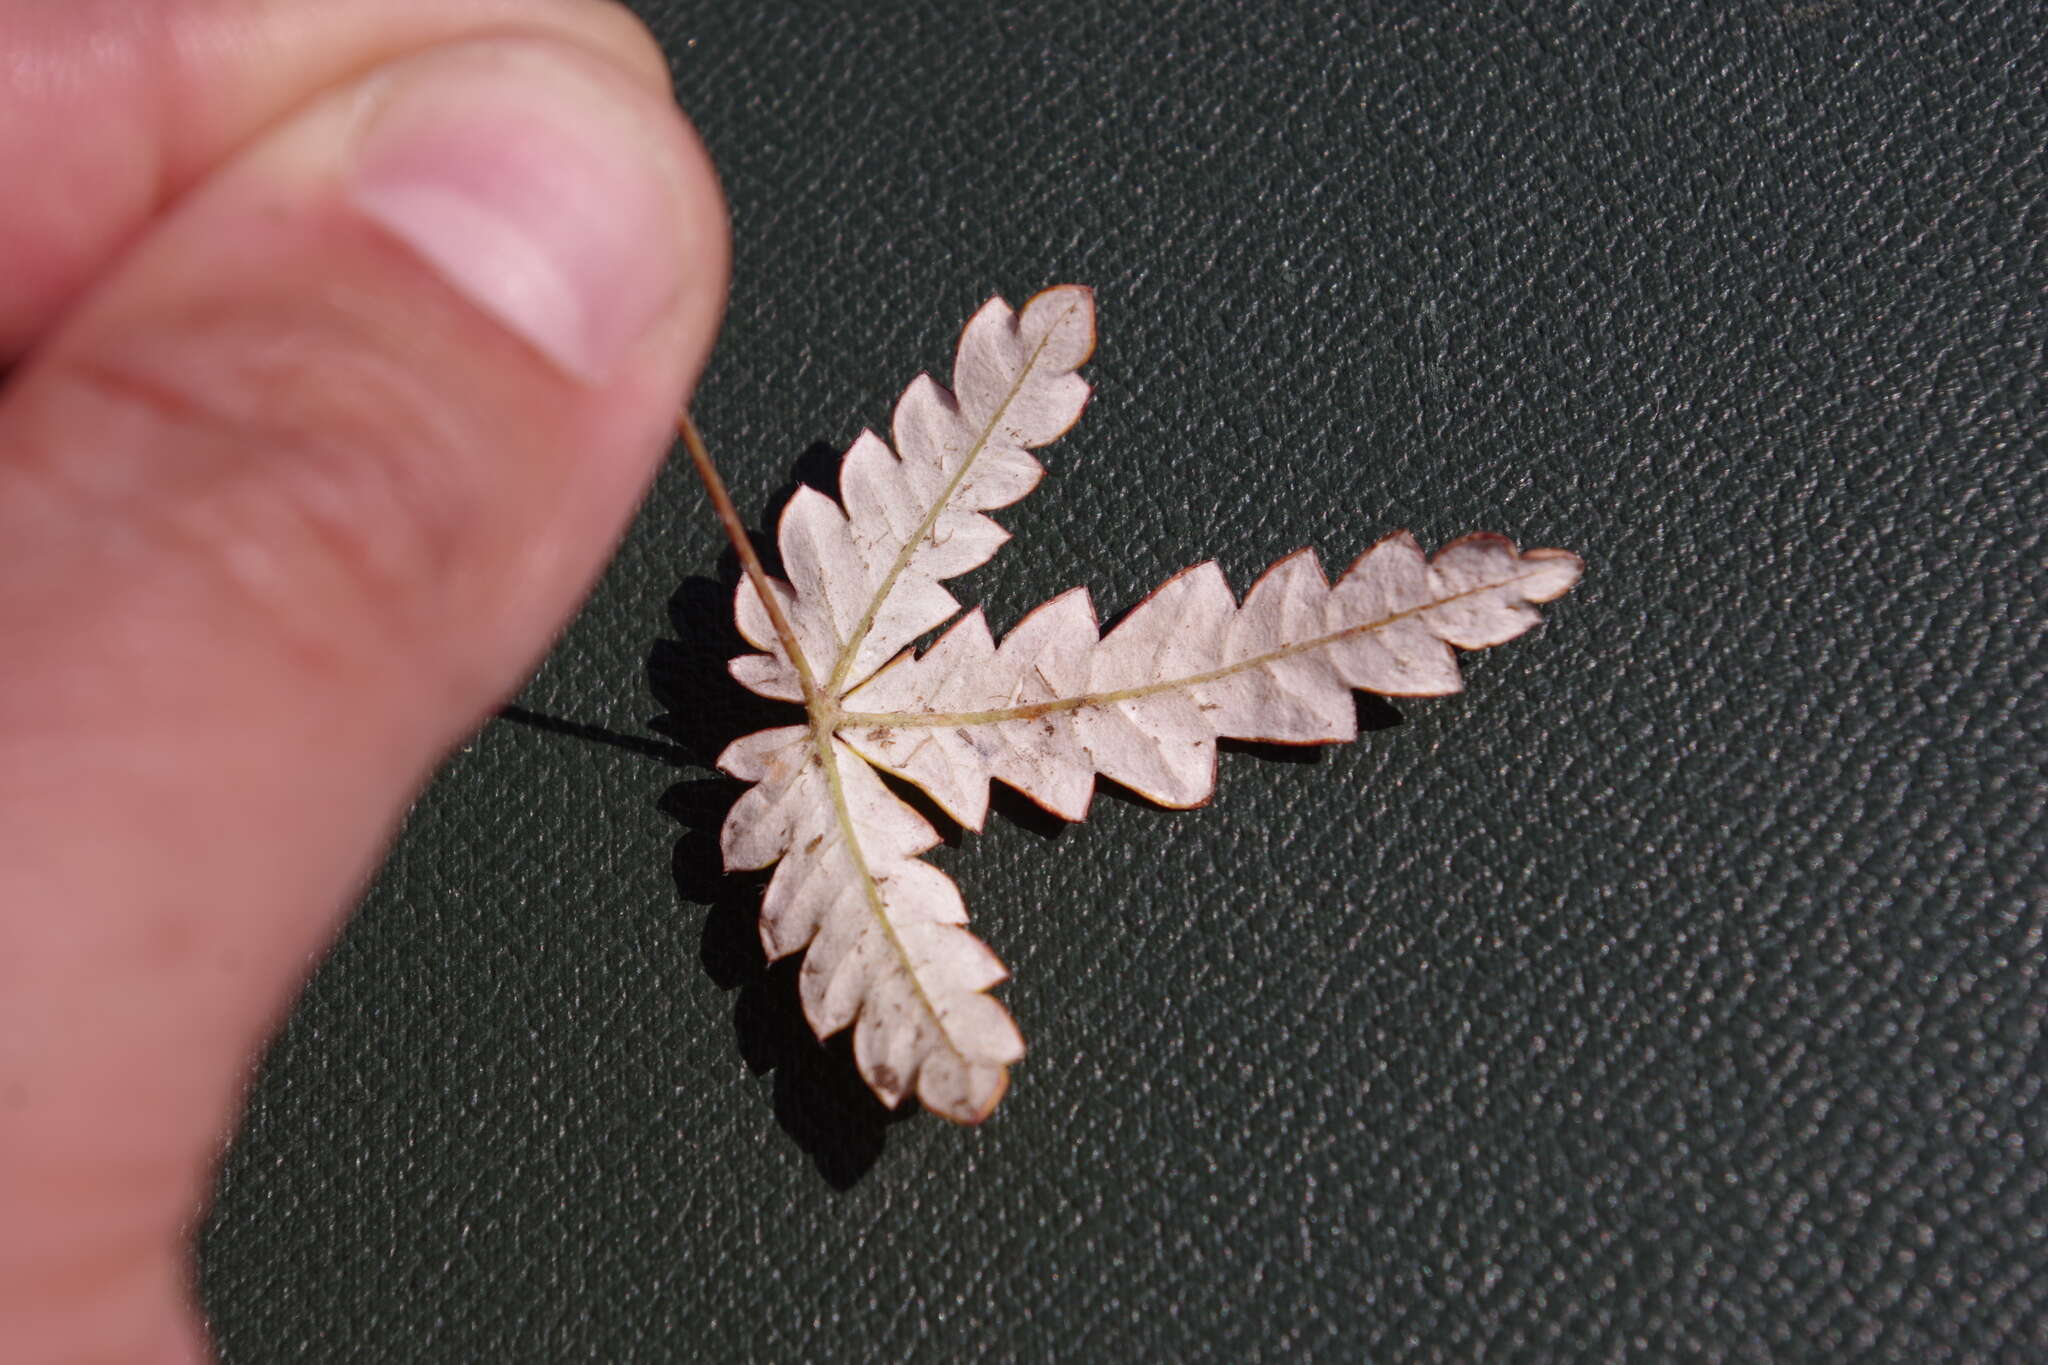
(1673, 994)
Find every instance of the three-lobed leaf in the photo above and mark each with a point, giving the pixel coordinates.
(1046, 711)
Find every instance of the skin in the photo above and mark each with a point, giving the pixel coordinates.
(284, 513)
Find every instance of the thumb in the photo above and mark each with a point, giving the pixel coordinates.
(294, 496)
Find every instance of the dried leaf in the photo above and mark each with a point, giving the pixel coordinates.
(1046, 711)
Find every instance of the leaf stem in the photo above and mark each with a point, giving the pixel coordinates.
(743, 546)
(825, 714)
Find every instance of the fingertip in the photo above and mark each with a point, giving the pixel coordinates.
(576, 210)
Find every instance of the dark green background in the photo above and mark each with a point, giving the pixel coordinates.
(1674, 994)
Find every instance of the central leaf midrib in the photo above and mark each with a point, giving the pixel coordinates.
(825, 716)
(865, 626)
(910, 720)
(824, 745)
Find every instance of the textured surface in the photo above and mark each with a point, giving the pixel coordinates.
(1718, 1041)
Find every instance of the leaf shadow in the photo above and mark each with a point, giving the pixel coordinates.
(819, 1097)
(1374, 713)
(1026, 814)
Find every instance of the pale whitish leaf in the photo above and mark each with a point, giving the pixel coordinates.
(1052, 707)
(864, 582)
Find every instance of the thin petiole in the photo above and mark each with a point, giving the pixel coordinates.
(743, 545)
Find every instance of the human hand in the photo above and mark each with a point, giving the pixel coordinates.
(343, 340)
